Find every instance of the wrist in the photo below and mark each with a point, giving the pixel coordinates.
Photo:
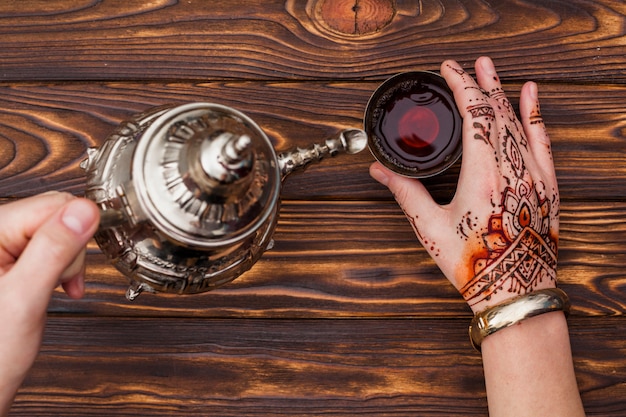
(516, 310)
(535, 333)
(503, 296)
(529, 369)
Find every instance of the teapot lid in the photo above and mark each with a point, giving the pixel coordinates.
(205, 175)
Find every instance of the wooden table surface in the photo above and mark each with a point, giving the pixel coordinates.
(347, 314)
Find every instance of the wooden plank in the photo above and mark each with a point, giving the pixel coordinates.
(579, 40)
(45, 130)
(361, 259)
(346, 315)
(116, 367)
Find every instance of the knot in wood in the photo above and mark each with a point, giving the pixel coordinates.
(356, 17)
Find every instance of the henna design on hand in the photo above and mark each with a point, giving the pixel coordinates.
(516, 250)
(526, 263)
(480, 110)
(519, 249)
(467, 226)
(428, 245)
(498, 95)
(459, 71)
(535, 116)
(485, 132)
(513, 155)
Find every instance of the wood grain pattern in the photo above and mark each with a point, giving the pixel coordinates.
(360, 260)
(240, 39)
(45, 131)
(347, 314)
(284, 367)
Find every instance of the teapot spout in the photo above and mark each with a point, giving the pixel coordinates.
(348, 141)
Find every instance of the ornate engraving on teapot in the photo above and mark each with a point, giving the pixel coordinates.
(189, 195)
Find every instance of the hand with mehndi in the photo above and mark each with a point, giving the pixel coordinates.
(496, 242)
(497, 238)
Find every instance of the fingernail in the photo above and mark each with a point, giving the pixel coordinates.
(379, 175)
(59, 194)
(80, 285)
(51, 192)
(78, 216)
(488, 66)
(533, 91)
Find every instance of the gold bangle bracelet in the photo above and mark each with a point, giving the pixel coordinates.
(516, 310)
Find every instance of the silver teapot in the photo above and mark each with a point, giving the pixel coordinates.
(189, 195)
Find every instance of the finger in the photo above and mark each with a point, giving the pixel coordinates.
(75, 287)
(412, 197)
(52, 249)
(538, 139)
(514, 155)
(539, 143)
(489, 80)
(411, 194)
(72, 279)
(487, 77)
(480, 146)
(508, 125)
(20, 219)
(471, 99)
(473, 104)
(74, 269)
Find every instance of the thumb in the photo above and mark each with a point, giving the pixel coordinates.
(51, 250)
(411, 195)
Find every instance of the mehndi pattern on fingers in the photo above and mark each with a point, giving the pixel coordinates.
(513, 156)
(484, 132)
(536, 119)
(480, 110)
(535, 116)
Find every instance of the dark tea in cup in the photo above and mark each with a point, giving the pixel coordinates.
(413, 125)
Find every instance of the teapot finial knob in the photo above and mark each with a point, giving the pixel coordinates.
(221, 166)
(237, 150)
(228, 158)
